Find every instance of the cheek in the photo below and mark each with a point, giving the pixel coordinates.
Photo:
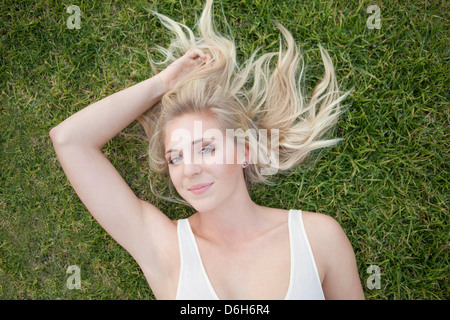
(230, 153)
(226, 174)
(226, 167)
(174, 175)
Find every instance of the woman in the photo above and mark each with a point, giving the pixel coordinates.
(231, 248)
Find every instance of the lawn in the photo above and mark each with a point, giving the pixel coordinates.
(386, 182)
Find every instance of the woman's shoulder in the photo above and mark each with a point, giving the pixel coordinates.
(319, 222)
(322, 228)
(325, 235)
(334, 256)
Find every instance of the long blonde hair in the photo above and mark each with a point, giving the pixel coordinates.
(259, 94)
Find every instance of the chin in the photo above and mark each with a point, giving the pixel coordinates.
(201, 202)
(202, 205)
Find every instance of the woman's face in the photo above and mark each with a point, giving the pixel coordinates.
(204, 164)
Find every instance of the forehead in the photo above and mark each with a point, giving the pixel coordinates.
(191, 127)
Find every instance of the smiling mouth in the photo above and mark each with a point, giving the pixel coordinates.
(200, 188)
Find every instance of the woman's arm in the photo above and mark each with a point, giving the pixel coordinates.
(95, 125)
(138, 226)
(98, 123)
(78, 141)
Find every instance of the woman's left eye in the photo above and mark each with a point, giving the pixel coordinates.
(207, 149)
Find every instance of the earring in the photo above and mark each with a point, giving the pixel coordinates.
(245, 164)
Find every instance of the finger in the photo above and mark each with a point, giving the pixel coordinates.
(209, 58)
(195, 53)
(200, 57)
(200, 60)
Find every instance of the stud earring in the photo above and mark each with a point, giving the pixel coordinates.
(245, 164)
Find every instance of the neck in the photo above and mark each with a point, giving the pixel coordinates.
(235, 221)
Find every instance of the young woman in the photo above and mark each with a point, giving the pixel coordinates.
(231, 248)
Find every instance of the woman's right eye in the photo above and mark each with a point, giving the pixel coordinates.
(175, 160)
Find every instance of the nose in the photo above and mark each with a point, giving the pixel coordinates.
(191, 169)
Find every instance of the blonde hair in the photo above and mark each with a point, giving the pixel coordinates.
(259, 94)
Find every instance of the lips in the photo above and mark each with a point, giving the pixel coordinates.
(200, 188)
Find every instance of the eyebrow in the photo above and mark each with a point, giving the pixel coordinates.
(193, 142)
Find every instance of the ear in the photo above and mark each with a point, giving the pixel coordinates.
(247, 156)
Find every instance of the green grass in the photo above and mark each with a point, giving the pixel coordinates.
(386, 183)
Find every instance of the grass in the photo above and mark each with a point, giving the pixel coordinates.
(386, 183)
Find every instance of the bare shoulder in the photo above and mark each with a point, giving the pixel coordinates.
(160, 238)
(161, 268)
(322, 225)
(160, 229)
(326, 235)
(334, 256)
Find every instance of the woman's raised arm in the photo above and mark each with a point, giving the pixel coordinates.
(95, 125)
(138, 226)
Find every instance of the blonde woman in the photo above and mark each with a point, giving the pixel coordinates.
(216, 127)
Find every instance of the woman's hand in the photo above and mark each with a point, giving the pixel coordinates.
(181, 67)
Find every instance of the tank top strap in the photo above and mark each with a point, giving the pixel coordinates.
(305, 280)
(193, 283)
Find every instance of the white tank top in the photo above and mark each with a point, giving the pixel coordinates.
(194, 284)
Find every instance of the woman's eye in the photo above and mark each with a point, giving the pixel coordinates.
(207, 149)
(175, 160)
